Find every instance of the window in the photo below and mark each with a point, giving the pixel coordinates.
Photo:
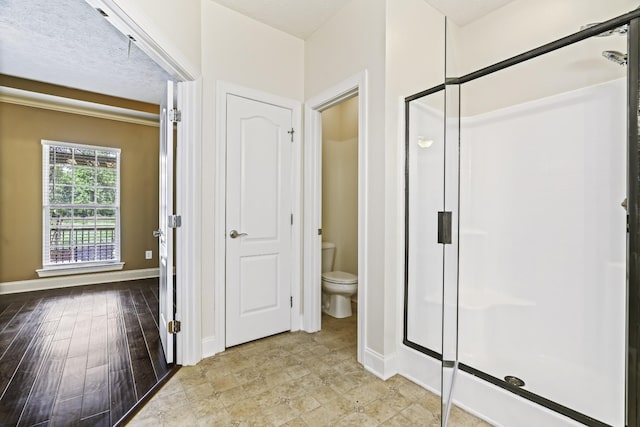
(81, 206)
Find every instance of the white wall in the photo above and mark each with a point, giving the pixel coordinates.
(239, 50)
(176, 28)
(401, 44)
(415, 55)
(353, 40)
(523, 25)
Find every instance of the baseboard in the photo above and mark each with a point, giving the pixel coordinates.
(420, 369)
(492, 404)
(209, 347)
(77, 280)
(379, 365)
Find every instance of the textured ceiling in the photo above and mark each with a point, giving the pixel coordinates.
(67, 42)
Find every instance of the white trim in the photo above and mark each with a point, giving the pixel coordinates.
(44, 101)
(78, 280)
(219, 223)
(64, 144)
(223, 89)
(187, 349)
(210, 346)
(175, 63)
(66, 270)
(381, 366)
(53, 269)
(188, 236)
(476, 396)
(356, 85)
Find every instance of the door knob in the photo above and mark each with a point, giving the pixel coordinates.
(234, 234)
(157, 233)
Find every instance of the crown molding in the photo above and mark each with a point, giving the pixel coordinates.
(74, 106)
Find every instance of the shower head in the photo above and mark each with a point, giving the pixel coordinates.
(615, 56)
(617, 31)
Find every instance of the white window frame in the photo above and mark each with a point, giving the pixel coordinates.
(75, 267)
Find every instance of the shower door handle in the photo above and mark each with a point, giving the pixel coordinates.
(234, 234)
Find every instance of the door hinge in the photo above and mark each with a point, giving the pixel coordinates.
(175, 115)
(291, 302)
(291, 132)
(319, 231)
(174, 326)
(444, 228)
(291, 219)
(174, 221)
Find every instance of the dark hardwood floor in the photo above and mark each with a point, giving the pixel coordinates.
(79, 356)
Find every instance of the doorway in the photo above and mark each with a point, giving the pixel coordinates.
(259, 219)
(340, 206)
(349, 88)
(258, 238)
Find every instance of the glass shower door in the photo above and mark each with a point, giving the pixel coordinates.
(432, 234)
(542, 230)
(425, 202)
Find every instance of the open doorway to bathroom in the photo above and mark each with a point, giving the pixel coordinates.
(354, 88)
(339, 254)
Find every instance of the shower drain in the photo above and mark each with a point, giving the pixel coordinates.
(514, 381)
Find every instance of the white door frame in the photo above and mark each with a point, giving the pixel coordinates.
(356, 85)
(188, 182)
(222, 90)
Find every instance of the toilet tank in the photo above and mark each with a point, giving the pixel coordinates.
(328, 250)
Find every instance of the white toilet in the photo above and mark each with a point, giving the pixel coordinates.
(337, 286)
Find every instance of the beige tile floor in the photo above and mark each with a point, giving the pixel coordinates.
(293, 379)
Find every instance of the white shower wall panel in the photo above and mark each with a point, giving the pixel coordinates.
(542, 247)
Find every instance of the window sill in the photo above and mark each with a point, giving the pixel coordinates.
(76, 269)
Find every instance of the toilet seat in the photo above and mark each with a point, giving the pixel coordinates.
(340, 278)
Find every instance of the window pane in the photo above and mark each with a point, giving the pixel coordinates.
(106, 215)
(84, 176)
(106, 159)
(84, 195)
(60, 174)
(84, 157)
(84, 235)
(82, 216)
(61, 254)
(60, 155)
(59, 213)
(60, 194)
(81, 176)
(106, 177)
(106, 196)
(60, 224)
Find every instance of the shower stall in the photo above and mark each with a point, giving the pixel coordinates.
(522, 226)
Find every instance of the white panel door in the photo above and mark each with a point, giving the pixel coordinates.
(258, 217)
(164, 233)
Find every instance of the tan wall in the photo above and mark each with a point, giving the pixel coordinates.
(67, 92)
(340, 183)
(21, 129)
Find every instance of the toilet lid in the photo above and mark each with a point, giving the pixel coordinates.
(340, 277)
